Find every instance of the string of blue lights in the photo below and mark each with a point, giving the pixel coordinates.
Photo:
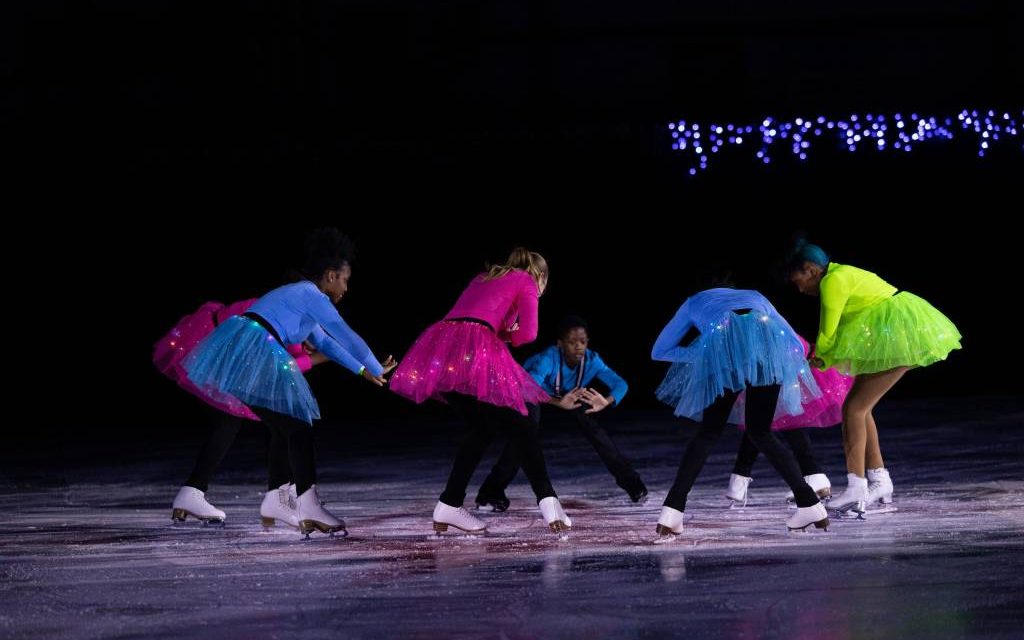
(701, 142)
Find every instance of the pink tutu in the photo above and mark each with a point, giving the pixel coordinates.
(826, 411)
(467, 358)
(171, 350)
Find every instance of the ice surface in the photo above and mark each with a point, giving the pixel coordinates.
(88, 550)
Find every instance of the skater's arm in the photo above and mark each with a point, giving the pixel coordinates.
(527, 303)
(505, 335)
(541, 368)
(617, 387)
(330, 347)
(834, 294)
(667, 347)
(509, 324)
(337, 329)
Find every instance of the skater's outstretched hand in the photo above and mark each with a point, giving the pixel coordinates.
(569, 401)
(377, 380)
(389, 364)
(596, 401)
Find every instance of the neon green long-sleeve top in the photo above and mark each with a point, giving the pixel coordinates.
(845, 292)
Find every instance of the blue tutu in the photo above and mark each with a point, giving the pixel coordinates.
(242, 360)
(754, 349)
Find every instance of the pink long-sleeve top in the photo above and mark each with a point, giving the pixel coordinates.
(501, 303)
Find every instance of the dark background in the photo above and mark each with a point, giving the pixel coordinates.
(169, 153)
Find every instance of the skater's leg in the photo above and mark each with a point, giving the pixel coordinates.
(760, 410)
(625, 476)
(697, 450)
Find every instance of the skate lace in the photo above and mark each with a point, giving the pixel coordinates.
(467, 515)
(284, 496)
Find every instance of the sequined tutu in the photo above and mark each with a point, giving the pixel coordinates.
(751, 349)
(467, 358)
(825, 411)
(242, 362)
(171, 350)
(901, 331)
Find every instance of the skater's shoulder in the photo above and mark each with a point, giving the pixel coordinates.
(595, 358)
(551, 352)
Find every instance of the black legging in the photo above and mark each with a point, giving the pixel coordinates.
(220, 440)
(291, 450)
(507, 466)
(798, 443)
(483, 422)
(213, 451)
(760, 410)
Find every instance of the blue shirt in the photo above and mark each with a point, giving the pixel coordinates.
(545, 365)
(704, 311)
(301, 312)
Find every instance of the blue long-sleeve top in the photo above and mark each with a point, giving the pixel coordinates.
(301, 312)
(545, 365)
(704, 311)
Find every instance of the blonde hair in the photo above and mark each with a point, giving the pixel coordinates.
(524, 259)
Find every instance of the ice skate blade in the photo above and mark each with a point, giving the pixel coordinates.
(879, 511)
(665, 538)
(307, 527)
(179, 516)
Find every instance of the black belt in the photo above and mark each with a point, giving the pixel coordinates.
(263, 323)
(473, 320)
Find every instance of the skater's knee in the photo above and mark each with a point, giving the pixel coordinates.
(855, 410)
(761, 438)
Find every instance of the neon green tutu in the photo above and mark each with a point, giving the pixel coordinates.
(901, 331)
